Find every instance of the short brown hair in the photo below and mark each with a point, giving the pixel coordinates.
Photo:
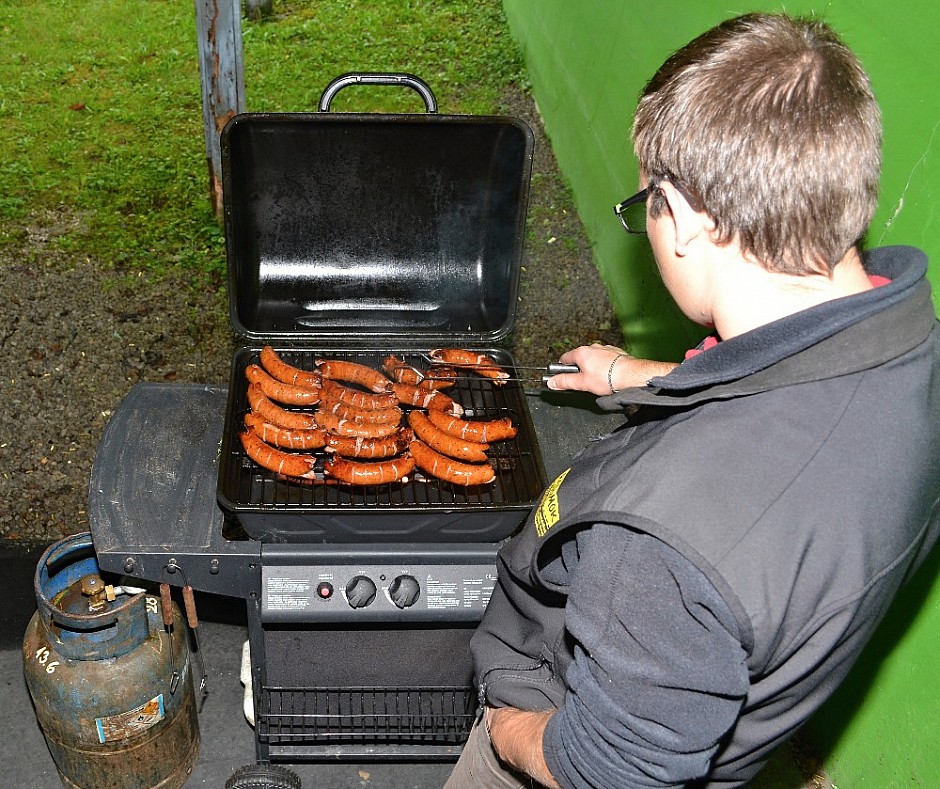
(771, 122)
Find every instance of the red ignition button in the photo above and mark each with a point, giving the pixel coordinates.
(324, 590)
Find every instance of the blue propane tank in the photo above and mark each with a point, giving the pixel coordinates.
(110, 683)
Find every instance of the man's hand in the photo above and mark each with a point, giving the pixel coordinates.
(606, 369)
(516, 736)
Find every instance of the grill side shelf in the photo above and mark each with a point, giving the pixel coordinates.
(152, 492)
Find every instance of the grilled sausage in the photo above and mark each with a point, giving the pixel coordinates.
(333, 390)
(375, 416)
(440, 377)
(354, 373)
(261, 405)
(482, 431)
(479, 363)
(423, 397)
(287, 373)
(282, 436)
(448, 469)
(364, 447)
(277, 460)
(347, 427)
(357, 472)
(402, 372)
(280, 391)
(445, 443)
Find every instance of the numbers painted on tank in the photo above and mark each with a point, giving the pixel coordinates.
(152, 604)
(42, 655)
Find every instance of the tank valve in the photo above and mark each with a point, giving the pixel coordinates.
(95, 590)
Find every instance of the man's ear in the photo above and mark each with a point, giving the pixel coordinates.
(690, 224)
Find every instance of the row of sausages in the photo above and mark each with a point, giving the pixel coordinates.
(360, 425)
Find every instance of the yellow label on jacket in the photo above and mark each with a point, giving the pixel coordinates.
(547, 515)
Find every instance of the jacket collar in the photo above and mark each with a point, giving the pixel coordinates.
(835, 338)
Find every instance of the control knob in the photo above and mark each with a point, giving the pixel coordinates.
(360, 591)
(404, 591)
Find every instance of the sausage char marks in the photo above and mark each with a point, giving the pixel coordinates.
(424, 397)
(280, 391)
(283, 437)
(288, 463)
(474, 430)
(332, 391)
(446, 444)
(359, 472)
(365, 447)
(354, 373)
(479, 363)
(440, 376)
(448, 469)
(375, 416)
(287, 373)
(263, 406)
(348, 427)
(401, 372)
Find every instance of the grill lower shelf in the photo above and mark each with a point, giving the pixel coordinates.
(390, 690)
(311, 716)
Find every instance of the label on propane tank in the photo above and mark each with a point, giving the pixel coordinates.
(127, 724)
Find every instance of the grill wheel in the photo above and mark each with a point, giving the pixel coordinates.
(263, 776)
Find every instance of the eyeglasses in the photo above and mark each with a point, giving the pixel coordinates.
(632, 211)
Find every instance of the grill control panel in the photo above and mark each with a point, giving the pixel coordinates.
(376, 592)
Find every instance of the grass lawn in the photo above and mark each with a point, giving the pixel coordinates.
(101, 114)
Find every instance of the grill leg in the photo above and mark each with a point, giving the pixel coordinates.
(256, 647)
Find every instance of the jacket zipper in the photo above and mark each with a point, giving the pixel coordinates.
(482, 688)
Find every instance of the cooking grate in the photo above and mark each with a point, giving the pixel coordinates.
(294, 715)
(519, 477)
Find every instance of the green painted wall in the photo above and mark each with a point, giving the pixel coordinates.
(587, 61)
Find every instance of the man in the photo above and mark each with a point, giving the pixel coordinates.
(691, 590)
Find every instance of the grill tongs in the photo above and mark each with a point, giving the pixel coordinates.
(555, 368)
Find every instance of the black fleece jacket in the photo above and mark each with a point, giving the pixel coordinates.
(698, 582)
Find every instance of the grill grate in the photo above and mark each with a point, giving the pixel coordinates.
(440, 715)
(519, 477)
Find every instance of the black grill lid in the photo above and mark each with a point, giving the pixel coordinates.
(403, 227)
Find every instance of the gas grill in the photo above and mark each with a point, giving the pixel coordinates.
(348, 237)
(330, 681)
(358, 650)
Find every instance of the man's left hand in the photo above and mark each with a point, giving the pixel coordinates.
(516, 736)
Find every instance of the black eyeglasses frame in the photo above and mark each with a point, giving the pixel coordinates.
(640, 197)
(644, 194)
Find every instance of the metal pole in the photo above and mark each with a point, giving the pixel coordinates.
(219, 35)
